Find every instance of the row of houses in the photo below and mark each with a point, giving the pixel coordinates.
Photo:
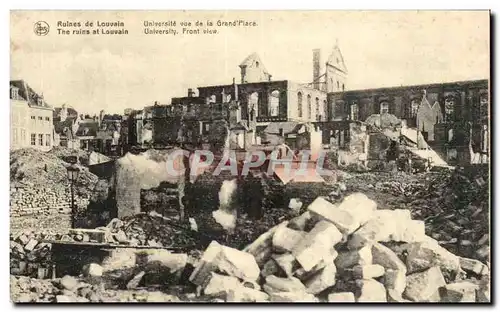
(36, 124)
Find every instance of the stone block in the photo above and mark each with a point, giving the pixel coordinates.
(93, 270)
(286, 262)
(368, 271)
(386, 258)
(370, 291)
(292, 296)
(270, 268)
(341, 297)
(424, 286)
(322, 280)
(285, 239)
(64, 299)
(220, 285)
(344, 220)
(228, 260)
(459, 292)
(395, 296)
(261, 248)
(317, 244)
(474, 266)
(299, 223)
(68, 282)
(395, 280)
(244, 294)
(23, 239)
(283, 284)
(31, 245)
(427, 254)
(347, 259)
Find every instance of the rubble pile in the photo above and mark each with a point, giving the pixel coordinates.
(28, 254)
(31, 168)
(453, 204)
(346, 252)
(152, 229)
(71, 289)
(84, 156)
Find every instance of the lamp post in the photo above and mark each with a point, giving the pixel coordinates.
(73, 172)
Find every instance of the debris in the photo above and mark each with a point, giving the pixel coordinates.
(368, 271)
(322, 280)
(220, 285)
(245, 294)
(459, 292)
(285, 239)
(473, 265)
(93, 270)
(311, 249)
(424, 286)
(347, 259)
(225, 259)
(371, 291)
(341, 297)
(292, 296)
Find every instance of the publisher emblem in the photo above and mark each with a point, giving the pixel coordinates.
(41, 28)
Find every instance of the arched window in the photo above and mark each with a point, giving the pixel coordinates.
(318, 113)
(338, 85)
(253, 103)
(449, 109)
(343, 87)
(274, 103)
(354, 111)
(309, 107)
(414, 108)
(299, 103)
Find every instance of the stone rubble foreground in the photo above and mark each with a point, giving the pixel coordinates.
(333, 252)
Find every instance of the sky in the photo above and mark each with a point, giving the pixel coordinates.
(380, 49)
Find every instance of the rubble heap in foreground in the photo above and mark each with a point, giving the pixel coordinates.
(346, 252)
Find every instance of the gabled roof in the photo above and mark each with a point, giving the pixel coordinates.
(27, 93)
(336, 59)
(251, 59)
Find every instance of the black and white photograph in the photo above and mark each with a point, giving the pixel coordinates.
(250, 156)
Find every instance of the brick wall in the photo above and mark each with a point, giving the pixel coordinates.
(38, 200)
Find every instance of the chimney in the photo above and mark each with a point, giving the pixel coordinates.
(316, 68)
(235, 90)
(190, 92)
(243, 73)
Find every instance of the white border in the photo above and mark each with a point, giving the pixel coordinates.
(185, 4)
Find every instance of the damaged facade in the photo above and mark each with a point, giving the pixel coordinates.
(453, 118)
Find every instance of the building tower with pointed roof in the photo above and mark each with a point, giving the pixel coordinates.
(336, 71)
(252, 70)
